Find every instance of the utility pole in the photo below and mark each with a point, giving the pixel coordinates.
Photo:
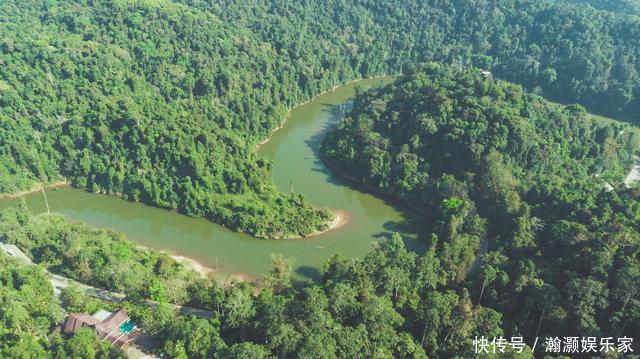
(45, 198)
(333, 90)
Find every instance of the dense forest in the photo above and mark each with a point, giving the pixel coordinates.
(484, 160)
(391, 303)
(567, 52)
(630, 7)
(96, 257)
(165, 101)
(158, 101)
(487, 161)
(30, 313)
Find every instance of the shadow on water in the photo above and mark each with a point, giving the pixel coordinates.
(308, 274)
(414, 232)
(371, 217)
(412, 228)
(336, 113)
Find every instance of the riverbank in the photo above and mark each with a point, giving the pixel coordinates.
(288, 115)
(195, 265)
(362, 185)
(340, 218)
(237, 253)
(35, 189)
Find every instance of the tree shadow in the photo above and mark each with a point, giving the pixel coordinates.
(336, 114)
(309, 274)
(414, 232)
(414, 226)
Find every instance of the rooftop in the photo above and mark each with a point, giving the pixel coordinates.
(114, 327)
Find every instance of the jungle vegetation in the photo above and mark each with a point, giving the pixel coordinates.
(158, 101)
(390, 303)
(164, 101)
(629, 7)
(486, 161)
(30, 315)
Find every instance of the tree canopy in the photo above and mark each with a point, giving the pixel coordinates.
(158, 101)
(488, 162)
(164, 102)
(30, 315)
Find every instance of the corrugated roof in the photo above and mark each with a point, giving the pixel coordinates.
(77, 321)
(112, 323)
(107, 329)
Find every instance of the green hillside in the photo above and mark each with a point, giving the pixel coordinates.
(488, 162)
(629, 7)
(530, 231)
(159, 101)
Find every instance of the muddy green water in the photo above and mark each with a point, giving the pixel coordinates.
(294, 151)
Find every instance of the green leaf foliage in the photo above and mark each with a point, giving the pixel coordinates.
(491, 164)
(160, 102)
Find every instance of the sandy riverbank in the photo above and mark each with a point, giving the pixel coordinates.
(36, 188)
(192, 264)
(340, 219)
(205, 271)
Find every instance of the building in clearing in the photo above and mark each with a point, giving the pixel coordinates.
(116, 327)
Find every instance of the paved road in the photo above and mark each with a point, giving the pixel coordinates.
(59, 282)
(634, 175)
(484, 247)
(15, 252)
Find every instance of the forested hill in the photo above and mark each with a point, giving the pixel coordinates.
(630, 7)
(567, 52)
(153, 100)
(440, 120)
(562, 250)
(163, 101)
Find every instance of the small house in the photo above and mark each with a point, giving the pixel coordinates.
(116, 327)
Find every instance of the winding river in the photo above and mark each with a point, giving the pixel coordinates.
(294, 151)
